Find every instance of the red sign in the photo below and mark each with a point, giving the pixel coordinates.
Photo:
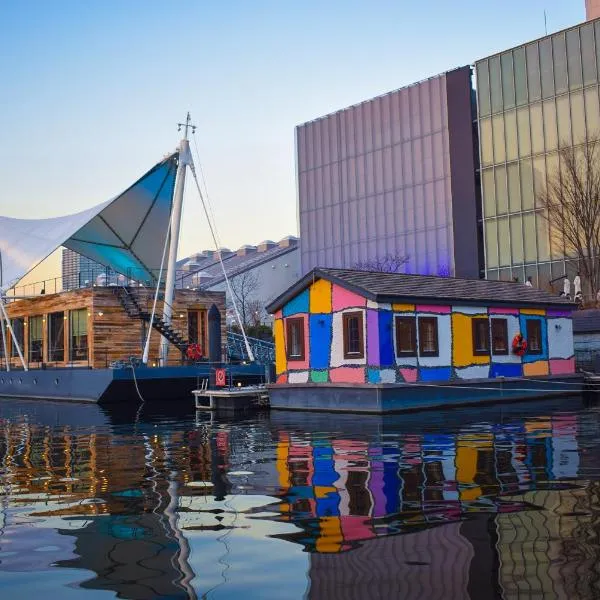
(220, 377)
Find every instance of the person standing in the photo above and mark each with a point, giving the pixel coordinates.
(567, 287)
(529, 282)
(577, 285)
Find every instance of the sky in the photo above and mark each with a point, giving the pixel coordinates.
(91, 91)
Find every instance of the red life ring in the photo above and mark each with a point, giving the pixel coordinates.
(519, 345)
(194, 352)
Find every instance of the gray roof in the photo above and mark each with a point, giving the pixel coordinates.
(586, 321)
(398, 287)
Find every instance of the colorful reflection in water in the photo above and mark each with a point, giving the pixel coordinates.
(493, 503)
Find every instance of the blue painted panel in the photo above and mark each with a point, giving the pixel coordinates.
(296, 305)
(386, 339)
(506, 370)
(435, 373)
(320, 327)
(523, 324)
(373, 376)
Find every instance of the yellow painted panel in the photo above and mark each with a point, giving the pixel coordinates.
(471, 493)
(321, 491)
(282, 453)
(320, 296)
(462, 342)
(330, 535)
(533, 311)
(466, 464)
(403, 307)
(280, 362)
(539, 367)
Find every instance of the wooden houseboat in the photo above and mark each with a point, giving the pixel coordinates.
(382, 342)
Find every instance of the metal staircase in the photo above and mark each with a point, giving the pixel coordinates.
(133, 309)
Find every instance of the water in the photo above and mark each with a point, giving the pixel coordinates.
(499, 502)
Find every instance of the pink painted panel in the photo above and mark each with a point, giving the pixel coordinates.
(433, 308)
(301, 365)
(503, 311)
(278, 314)
(410, 375)
(343, 298)
(347, 375)
(562, 366)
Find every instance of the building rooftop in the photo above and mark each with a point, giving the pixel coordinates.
(398, 287)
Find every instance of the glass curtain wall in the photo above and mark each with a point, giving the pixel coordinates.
(533, 101)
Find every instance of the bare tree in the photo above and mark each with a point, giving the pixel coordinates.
(244, 287)
(389, 263)
(571, 203)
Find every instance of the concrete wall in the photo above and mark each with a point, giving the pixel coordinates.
(323, 304)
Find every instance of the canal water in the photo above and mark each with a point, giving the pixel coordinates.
(495, 502)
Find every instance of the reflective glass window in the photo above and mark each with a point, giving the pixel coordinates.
(537, 128)
(533, 72)
(510, 126)
(495, 84)
(546, 68)
(508, 84)
(516, 239)
(491, 243)
(498, 131)
(544, 276)
(501, 190)
(520, 76)
(592, 112)
(492, 275)
(489, 195)
(483, 88)
(578, 117)
(505, 274)
(514, 187)
(539, 176)
(485, 139)
(574, 59)
(542, 237)
(503, 242)
(588, 53)
(529, 237)
(560, 64)
(550, 134)
(564, 121)
(524, 132)
(36, 338)
(527, 184)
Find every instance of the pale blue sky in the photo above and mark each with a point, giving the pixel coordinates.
(91, 90)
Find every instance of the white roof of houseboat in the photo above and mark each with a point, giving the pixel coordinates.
(126, 233)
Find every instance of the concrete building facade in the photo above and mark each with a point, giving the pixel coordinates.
(393, 175)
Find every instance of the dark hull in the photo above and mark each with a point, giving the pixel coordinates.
(114, 386)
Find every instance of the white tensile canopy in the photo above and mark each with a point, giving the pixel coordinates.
(126, 234)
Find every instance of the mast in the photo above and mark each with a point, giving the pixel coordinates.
(185, 159)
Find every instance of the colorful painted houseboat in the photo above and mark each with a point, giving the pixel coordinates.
(382, 342)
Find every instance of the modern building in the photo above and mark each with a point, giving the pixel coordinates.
(533, 100)
(79, 271)
(257, 274)
(394, 175)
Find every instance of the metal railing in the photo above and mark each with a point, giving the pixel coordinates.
(264, 352)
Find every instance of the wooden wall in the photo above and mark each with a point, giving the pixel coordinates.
(112, 334)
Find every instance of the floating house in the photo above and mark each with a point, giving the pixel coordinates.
(382, 342)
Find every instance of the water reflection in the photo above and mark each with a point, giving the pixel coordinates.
(472, 503)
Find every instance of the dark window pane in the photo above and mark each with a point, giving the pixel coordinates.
(499, 336)
(560, 65)
(295, 338)
(483, 88)
(79, 334)
(508, 84)
(520, 75)
(546, 68)
(428, 336)
(56, 337)
(534, 336)
(353, 335)
(406, 336)
(193, 326)
(36, 338)
(481, 337)
(533, 72)
(588, 54)
(18, 327)
(574, 59)
(495, 84)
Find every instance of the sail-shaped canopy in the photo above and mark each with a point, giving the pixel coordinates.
(126, 234)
